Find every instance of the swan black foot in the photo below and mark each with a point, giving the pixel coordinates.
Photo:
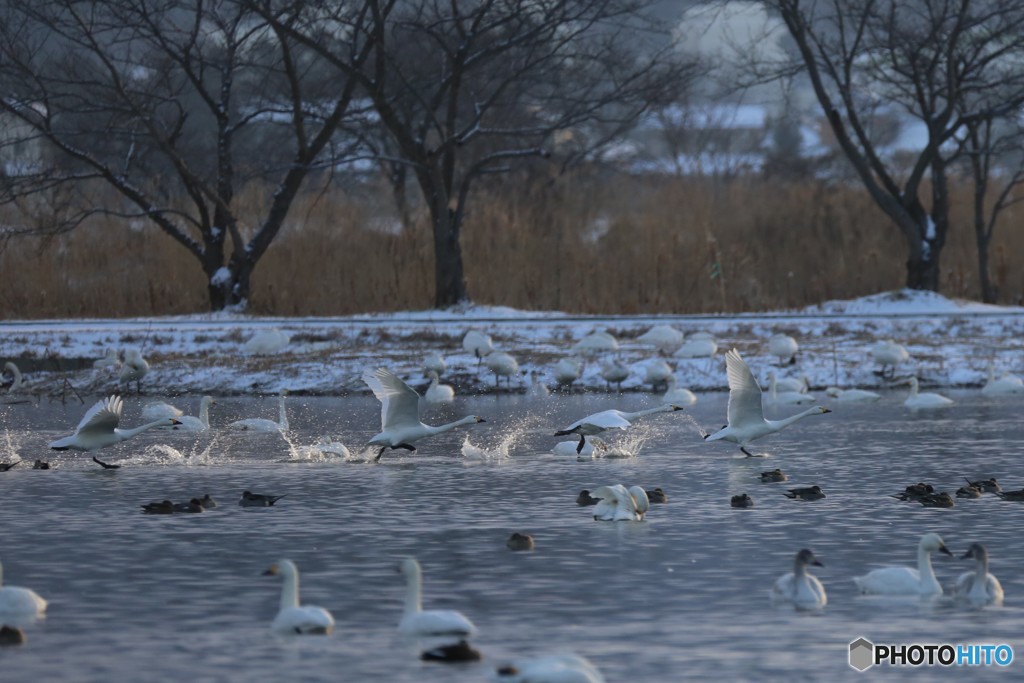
(748, 453)
(579, 446)
(104, 465)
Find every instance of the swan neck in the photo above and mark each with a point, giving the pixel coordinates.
(469, 419)
(414, 592)
(793, 418)
(128, 433)
(924, 569)
(647, 411)
(981, 570)
(913, 386)
(290, 591)
(282, 416)
(799, 569)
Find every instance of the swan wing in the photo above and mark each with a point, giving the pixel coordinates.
(102, 417)
(399, 403)
(607, 419)
(744, 392)
(438, 623)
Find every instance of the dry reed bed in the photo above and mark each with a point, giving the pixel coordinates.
(590, 245)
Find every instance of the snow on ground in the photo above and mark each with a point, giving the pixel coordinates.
(950, 342)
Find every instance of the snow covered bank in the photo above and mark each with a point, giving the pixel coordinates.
(950, 343)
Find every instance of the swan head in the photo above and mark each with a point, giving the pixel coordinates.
(823, 409)
(978, 552)
(284, 568)
(475, 418)
(805, 557)
(410, 568)
(932, 542)
(640, 498)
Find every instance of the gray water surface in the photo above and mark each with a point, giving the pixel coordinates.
(683, 595)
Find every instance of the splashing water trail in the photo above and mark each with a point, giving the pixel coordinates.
(628, 447)
(10, 446)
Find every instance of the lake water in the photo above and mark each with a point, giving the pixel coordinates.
(681, 596)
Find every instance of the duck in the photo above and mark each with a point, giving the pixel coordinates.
(1017, 496)
(800, 587)
(11, 635)
(478, 344)
(596, 342)
(746, 416)
(698, 345)
(434, 362)
(193, 505)
(191, 423)
(657, 496)
(889, 354)
(399, 413)
(989, 485)
(664, 338)
(99, 428)
(926, 400)
(134, 369)
(776, 397)
(567, 371)
(19, 602)
(164, 507)
(676, 394)
(258, 500)
(979, 587)
(907, 580)
(806, 493)
(937, 500)
(518, 541)
(775, 475)
(619, 504)
(40, 465)
(852, 395)
(614, 372)
(609, 419)
(438, 393)
(915, 491)
(968, 492)
(419, 622)
(266, 342)
(263, 425)
(585, 498)
(1007, 384)
(657, 373)
(502, 365)
(293, 618)
(783, 347)
(741, 501)
(207, 502)
(461, 651)
(565, 668)
(5, 466)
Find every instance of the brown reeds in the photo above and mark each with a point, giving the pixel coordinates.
(614, 244)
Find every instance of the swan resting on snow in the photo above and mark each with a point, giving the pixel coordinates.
(907, 581)
(609, 419)
(293, 618)
(419, 622)
(800, 587)
(98, 428)
(746, 416)
(399, 413)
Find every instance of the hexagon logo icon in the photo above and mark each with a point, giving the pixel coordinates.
(862, 654)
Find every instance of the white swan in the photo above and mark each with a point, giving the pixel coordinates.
(266, 342)
(399, 413)
(567, 371)
(888, 353)
(293, 618)
(419, 622)
(134, 369)
(664, 338)
(566, 668)
(437, 392)
(154, 410)
(800, 587)
(656, 373)
(502, 365)
(190, 423)
(783, 347)
(98, 428)
(110, 360)
(609, 419)
(788, 383)
(596, 342)
(260, 424)
(698, 345)
(979, 586)
(537, 389)
(19, 602)
(434, 362)
(619, 504)
(595, 446)
(16, 374)
(1007, 384)
(478, 344)
(746, 416)
(676, 394)
(782, 398)
(852, 395)
(918, 401)
(614, 372)
(332, 446)
(907, 580)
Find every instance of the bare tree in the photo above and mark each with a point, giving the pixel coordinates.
(468, 88)
(175, 105)
(950, 64)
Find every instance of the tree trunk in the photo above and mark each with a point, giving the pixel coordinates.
(923, 271)
(449, 275)
(989, 292)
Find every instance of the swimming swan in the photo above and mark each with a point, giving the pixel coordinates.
(190, 423)
(609, 419)
(619, 504)
(979, 586)
(155, 410)
(917, 401)
(777, 397)
(399, 413)
(746, 417)
(19, 602)
(799, 587)
(259, 424)
(566, 668)
(676, 394)
(292, 618)
(1007, 384)
(907, 580)
(851, 395)
(419, 622)
(437, 392)
(98, 428)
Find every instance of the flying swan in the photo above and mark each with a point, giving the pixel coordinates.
(98, 428)
(609, 419)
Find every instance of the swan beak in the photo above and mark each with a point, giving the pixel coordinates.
(175, 422)
(272, 571)
(944, 549)
(826, 410)
(817, 563)
(675, 407)
(480, 419)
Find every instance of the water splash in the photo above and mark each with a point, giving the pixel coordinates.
(628, 447)
(503, 449)
(10, 447)
(164, 454)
